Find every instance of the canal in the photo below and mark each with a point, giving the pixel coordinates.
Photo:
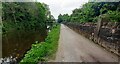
(16, 43)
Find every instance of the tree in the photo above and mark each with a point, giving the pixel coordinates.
(91, 11)
(60, 18)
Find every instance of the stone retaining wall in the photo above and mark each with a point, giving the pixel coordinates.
(107, 36)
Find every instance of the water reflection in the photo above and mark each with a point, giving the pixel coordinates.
(16, 43)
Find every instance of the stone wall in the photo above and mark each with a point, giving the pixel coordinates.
(106, 34)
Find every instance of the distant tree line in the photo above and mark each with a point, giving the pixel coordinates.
(91, 11)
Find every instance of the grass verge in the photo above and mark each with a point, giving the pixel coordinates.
(43, 50)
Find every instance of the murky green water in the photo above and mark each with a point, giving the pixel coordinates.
(16, 43)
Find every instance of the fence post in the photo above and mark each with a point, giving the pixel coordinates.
(99, 25)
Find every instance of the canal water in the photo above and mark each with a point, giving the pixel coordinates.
(17, 43)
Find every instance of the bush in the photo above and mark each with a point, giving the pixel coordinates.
(114, 16)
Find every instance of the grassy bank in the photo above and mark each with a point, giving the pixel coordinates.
(41, 51)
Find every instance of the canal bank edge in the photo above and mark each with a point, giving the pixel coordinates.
(43, 50)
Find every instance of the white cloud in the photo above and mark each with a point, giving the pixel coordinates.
(63, 6)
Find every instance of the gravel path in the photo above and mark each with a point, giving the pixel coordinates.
(75, 48)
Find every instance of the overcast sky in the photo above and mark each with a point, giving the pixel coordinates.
(63, 6)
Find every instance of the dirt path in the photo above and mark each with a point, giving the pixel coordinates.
(75, 48)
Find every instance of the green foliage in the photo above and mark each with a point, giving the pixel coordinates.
(24, 23)
(92, 10)
(40, 51)
(60, 19)
(63, 18)
(114, 16)
(23, 16)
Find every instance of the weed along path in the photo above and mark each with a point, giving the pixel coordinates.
(75, 48)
